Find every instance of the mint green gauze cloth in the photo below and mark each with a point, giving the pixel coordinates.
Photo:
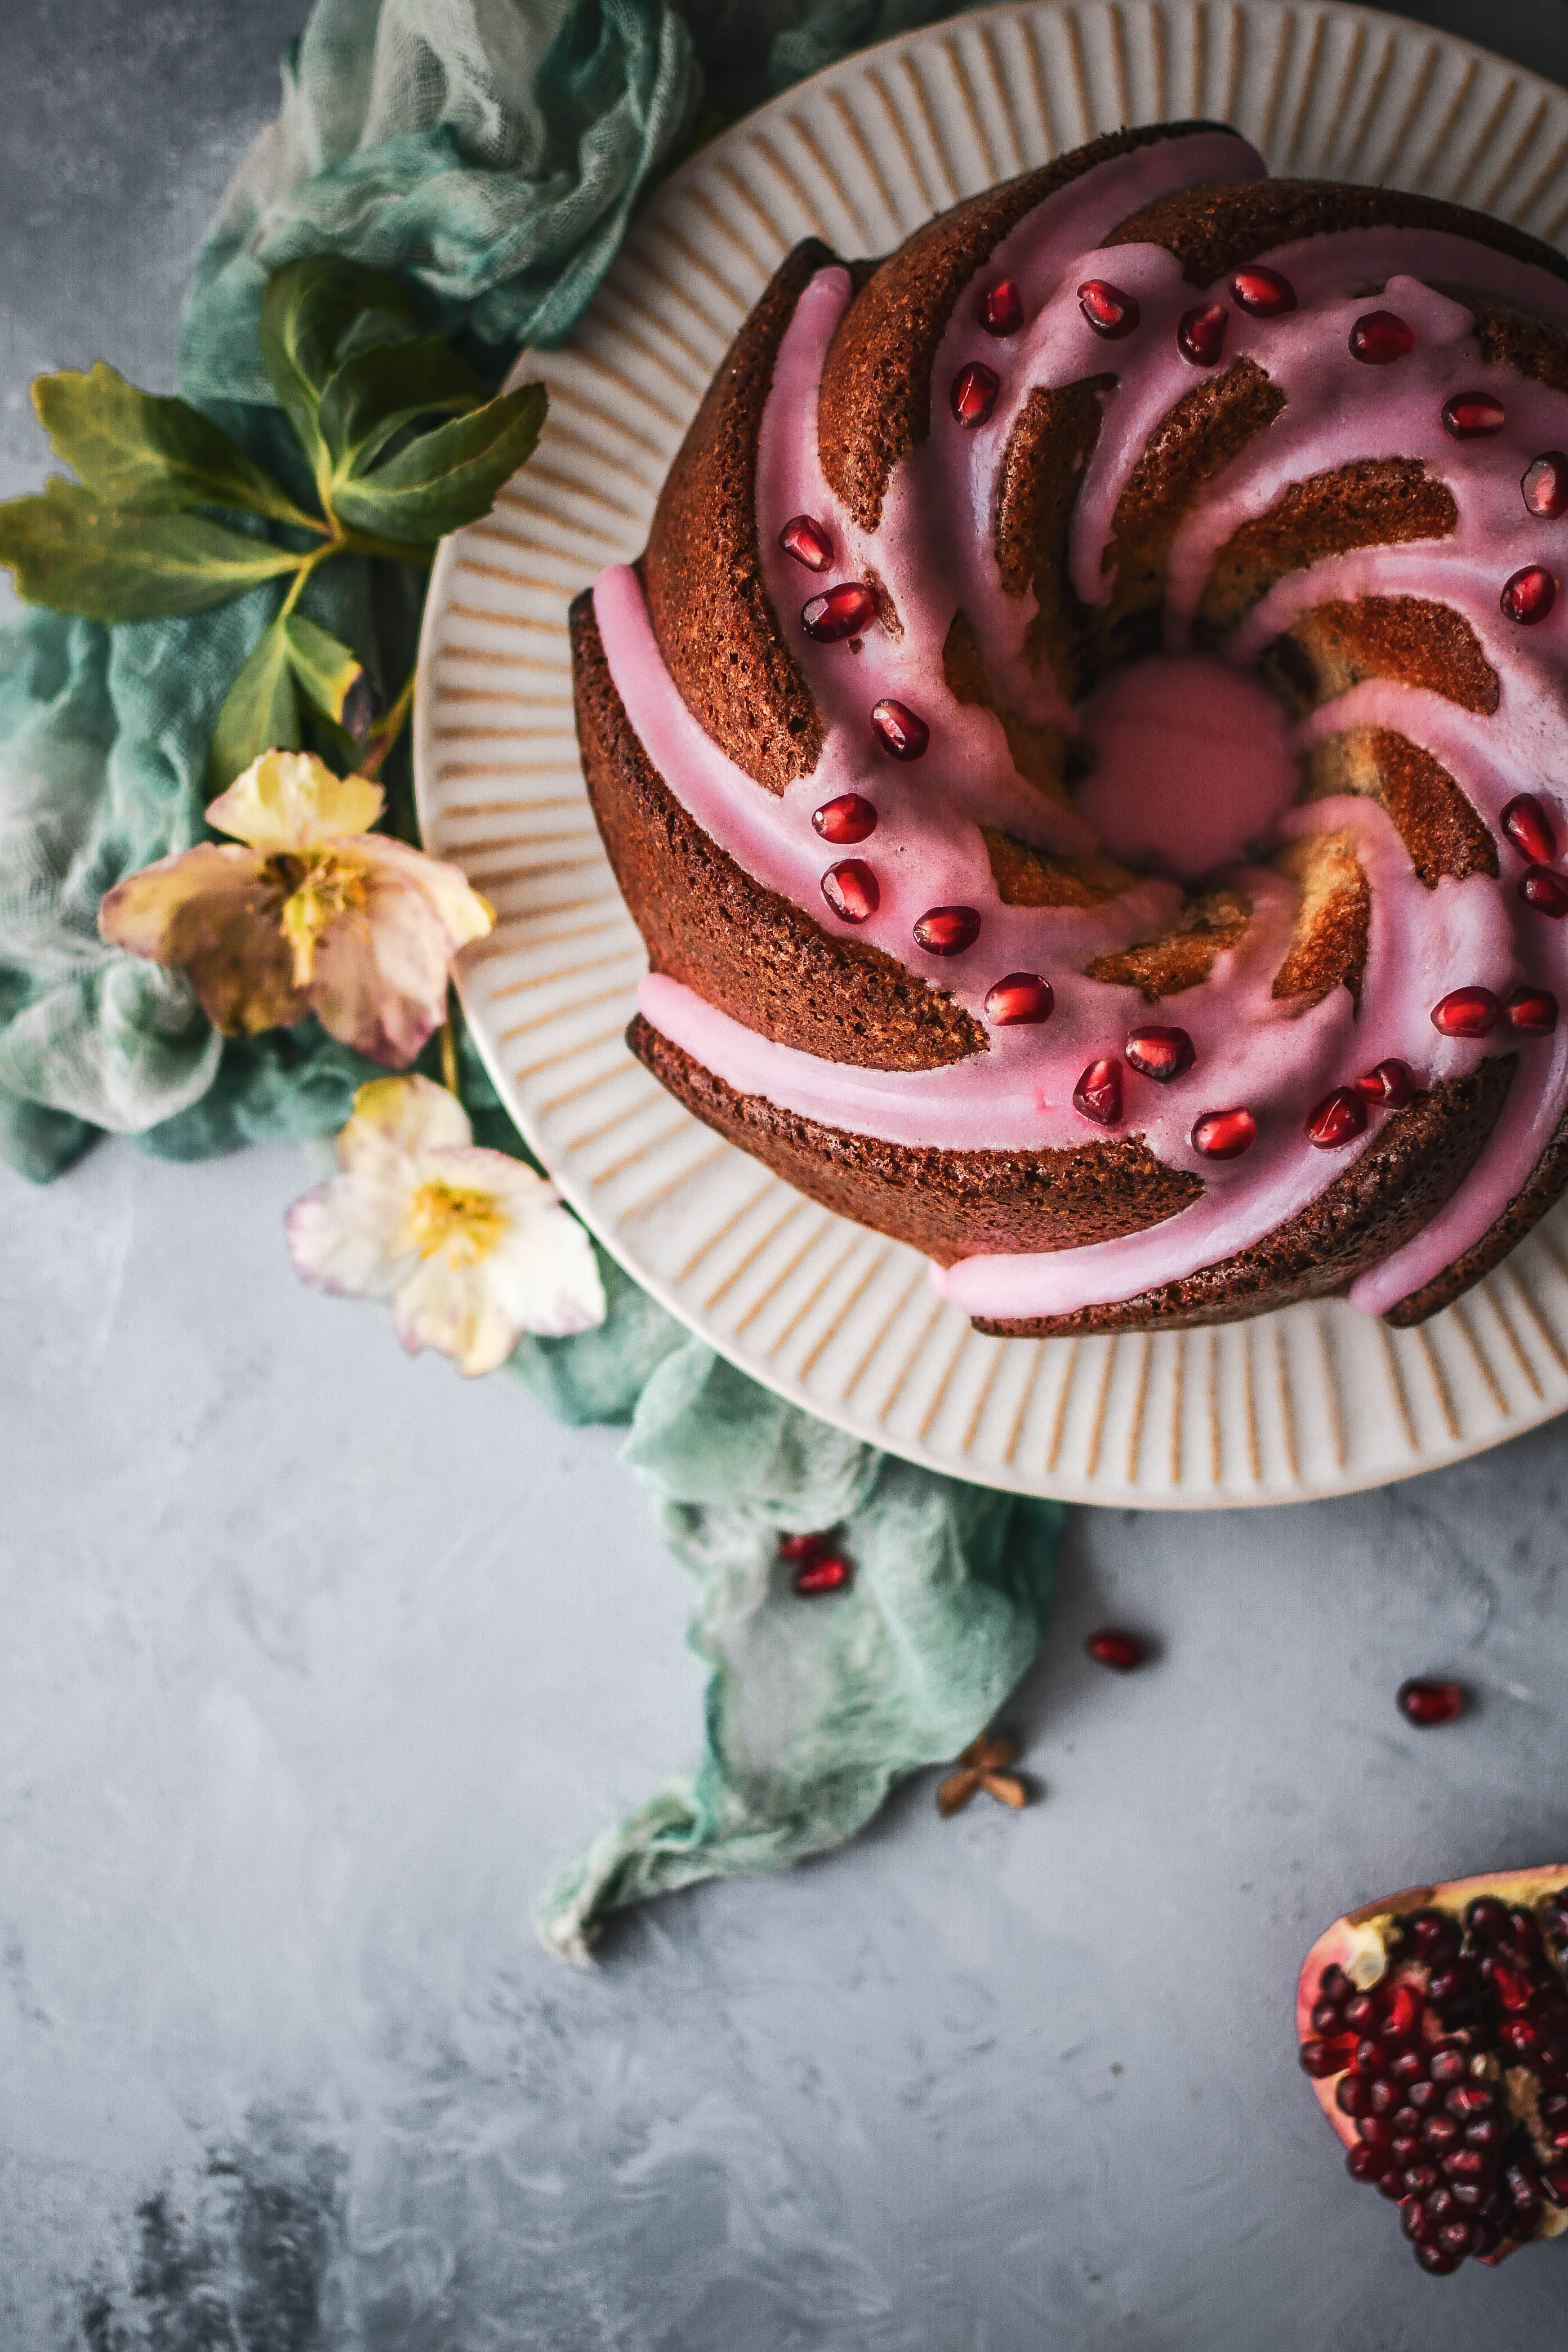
(492, 151)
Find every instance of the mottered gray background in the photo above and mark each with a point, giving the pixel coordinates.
(314, 1662)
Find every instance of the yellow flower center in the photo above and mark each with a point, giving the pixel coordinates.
(322, 886)
(457, 1220)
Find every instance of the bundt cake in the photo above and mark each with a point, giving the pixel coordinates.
(1081, 744)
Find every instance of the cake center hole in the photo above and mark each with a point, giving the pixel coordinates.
(1190, 766)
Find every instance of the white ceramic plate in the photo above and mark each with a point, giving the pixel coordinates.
(1313, 1400)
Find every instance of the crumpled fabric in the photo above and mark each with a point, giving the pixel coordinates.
(492, 151)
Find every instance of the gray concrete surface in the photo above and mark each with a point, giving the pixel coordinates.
(314, 1661)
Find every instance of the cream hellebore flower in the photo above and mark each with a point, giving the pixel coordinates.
(472, 1248)
(316, 913)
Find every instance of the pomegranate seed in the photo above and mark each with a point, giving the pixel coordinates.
(1364, 2163)
(1409, 2066)
(1466, 1012)
(1530, 828)
(1022, 999)
(1319, 2060)
(1098, 1093)
(1545, 485)
(1263, 292)
(848, 819)
(1334, 1984)
(1403, 2013)
(1378, 337)
(1432, 2259)
(1471, 2101)
(1487, 1920)
(1388, 1083)
(1376, 2130)
(1421, 2178)
(1225, 1134)
(1528, 595)
(1546, 890)
(1554, 2184)
(1109, 311)
(1450, 2064)
(1161, 1054)
(1427, 1702)
(1338, 1118)
(1002, 309)
(1456, 2237)
(1513, 1990)
(807, 542)
(802, 1547)
(1405, 2148)
(1123, 1651)
(852, 891)
(1490, 2132)
(1200, 337)
(1519, 2036)
(899, 730)
(1384, 2095)
(1442, 2133)
(1534, 1010)
(844, 611)
(1473, 415)
(1423, 2096)
(1416, 2221)
(1327, 2015)
(1372, 2058)
(827, 1573)
(947, 930)
(974, 393)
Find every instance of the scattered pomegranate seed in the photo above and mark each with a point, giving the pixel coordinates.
(947, 930)
(1473, 415)
(1466, 1012)
(1200, 336)
(828, 1572)
(807, 542)
(1109, 312)
(1263, 292)
(1002, 309)
(1161, 1054)
(1378, 337)
(1388, 1083)
(794, 1548)
(1530, 829)
(1098, 1093)
(1542, 887)
(1123, 1651)
(1225, 1134)
(851, 889)
(1338, 1118)
(897, 730)
(974, 393)
(1545, 485)
(848, 819)
(1022, 997)
(1428, 1703)
(844, 611)
(1534, 1010)
(1528, 595)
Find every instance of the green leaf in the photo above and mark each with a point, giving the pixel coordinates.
(307, 308)
(137, 449)
(72, 552)
(372, 396)
(447, 477)
(260, 711)
(324, 670)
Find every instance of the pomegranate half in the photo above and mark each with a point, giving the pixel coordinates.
(1434, 2028)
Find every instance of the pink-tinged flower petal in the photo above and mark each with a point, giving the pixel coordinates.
(214, 910)
(380, 980)
(462, 914)
(544, 1274)
(344, 1236)
(407, 1117)
(455, 1310)
(292, 801)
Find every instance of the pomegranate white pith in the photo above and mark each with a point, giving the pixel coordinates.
(1434, 2027)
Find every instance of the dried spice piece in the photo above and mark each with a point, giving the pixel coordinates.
(982, 1765)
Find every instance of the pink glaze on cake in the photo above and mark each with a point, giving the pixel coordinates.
(1213, 747)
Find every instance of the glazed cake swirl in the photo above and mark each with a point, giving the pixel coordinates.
(1081, 744)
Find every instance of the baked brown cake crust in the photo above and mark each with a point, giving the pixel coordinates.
(1384, 1198)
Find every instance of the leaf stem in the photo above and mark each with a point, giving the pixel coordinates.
(387, 729)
